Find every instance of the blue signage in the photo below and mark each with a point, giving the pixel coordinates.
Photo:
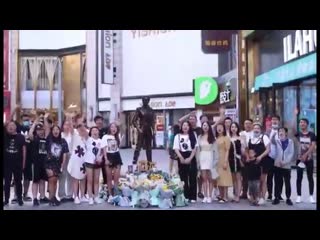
(301, 68)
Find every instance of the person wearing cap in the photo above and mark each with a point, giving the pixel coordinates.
(39, 153)
(260, 143)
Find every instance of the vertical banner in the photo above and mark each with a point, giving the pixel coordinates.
(106, 56)
(5, 59)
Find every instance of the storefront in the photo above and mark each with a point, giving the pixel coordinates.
(287, 83)
(226, 97)
(168, 111)
(287, 77)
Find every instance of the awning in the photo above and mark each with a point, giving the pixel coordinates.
(298, 69)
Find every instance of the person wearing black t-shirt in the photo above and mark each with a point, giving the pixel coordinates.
(307, 143)
(38, 145)
(14, 161)
(98, 120)
(197, 131)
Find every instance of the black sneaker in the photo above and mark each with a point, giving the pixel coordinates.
(20, 202)
(275, 201)
(57, 202)
(200, 195)
(289, 202)
(14, 201)
(36, 202)
(243, 196)
(64, 200)
(269, 198)
(44, 200)
(26, 198)
(70, 199)
(5, 203)
(281, 199)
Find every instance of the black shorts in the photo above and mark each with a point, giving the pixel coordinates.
(54, 166)
(267, 164)
(114, 159)
(27, 172)
(39, 172)
(92, 166)
(232, 166)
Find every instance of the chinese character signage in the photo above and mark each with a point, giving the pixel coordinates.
(216, 41)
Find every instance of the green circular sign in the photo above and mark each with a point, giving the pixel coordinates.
(205, 90)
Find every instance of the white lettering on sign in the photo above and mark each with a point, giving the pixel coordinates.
(225, 96)
(162, 104)
(108, 56)
(305, 41)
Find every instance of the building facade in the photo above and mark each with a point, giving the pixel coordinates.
(125, 65)
(282, 76)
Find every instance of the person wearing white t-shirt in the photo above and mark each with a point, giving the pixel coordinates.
(110, 144)
(185, 145)
(93, 160)
(273, 135)
(245, 136)
(260, 143)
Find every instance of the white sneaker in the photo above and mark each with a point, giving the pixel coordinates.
(77, 201)
(110, 199)
(98, 200)
(298, 200)
(91, 202)
(209, 200)
(261, 201)
(193, 201)
(204, 200)
(84, 199)
(312, 200)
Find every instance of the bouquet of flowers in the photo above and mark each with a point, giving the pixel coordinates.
(134, 199)
(154, 200)
(103, 194)
(144, 199)
(166, 196)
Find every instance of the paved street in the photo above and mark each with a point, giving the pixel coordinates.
(161, 158)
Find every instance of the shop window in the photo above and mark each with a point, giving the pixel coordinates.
(290, 107)
(308, 103)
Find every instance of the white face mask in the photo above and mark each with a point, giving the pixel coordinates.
(256, 134)
(275, 126)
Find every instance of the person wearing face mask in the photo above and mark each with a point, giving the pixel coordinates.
(273, 134)
(27, 172)
(260, 143)
(282, 171)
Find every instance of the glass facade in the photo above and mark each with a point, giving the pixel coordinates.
(308, 103)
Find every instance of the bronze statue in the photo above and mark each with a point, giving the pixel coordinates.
(144, 121)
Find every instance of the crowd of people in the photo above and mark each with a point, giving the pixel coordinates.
(209, 159)
(69, 159)
(255, 162)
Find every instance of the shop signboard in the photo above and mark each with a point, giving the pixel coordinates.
(205, 90)
(216, 41)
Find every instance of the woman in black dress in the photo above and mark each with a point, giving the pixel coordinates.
(236, 150)
(57, 149)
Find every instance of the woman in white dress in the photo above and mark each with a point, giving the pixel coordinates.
(206, 156)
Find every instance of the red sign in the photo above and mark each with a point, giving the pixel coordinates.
(216, 41)
(5, 59)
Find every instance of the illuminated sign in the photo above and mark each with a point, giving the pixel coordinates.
(205, 90)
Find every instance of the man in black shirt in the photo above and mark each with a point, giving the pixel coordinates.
(307, 143)
(14, 161)
(27, 172)
(197, 130)
(98, 120)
